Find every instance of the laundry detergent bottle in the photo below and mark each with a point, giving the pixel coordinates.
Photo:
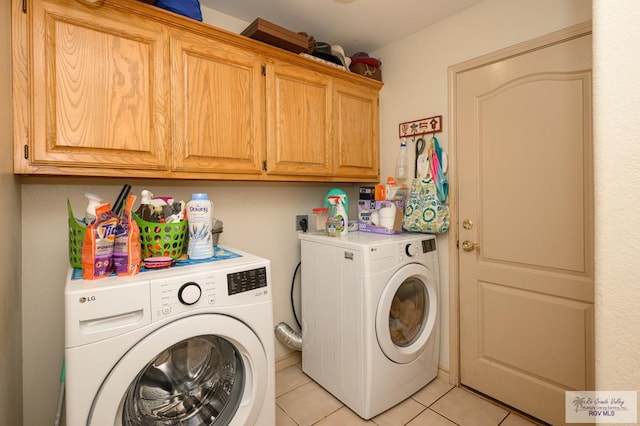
(200, 219)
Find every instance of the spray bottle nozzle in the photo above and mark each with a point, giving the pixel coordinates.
(93, 201)
(146, 196)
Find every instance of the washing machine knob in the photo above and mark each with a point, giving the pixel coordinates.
(189, 293)
(411, 249)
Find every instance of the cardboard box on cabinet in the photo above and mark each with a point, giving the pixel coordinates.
(275, 35)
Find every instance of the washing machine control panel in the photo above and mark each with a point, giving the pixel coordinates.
(189, 293)
(417, 248)
(177, 294)
(411, 249)
(239, 282)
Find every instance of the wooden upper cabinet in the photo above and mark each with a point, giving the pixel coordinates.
(99, 89)
(218, 107)
(299, 121)
(121, 88)
(357, 139)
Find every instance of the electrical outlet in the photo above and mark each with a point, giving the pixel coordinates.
(299, 219)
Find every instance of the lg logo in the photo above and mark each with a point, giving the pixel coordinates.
(87, 299)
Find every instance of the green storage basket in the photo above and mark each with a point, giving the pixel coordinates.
(77, 232)
(161, 239)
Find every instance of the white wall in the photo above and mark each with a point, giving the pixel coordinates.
(414, 71)
(10, 329)
(220, 20)
(617, 175)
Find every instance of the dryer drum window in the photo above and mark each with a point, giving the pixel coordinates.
(198, 381)
(408, 312)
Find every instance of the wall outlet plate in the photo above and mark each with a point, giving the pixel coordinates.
(299, 219)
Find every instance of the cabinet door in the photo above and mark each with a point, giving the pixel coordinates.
(218, 106)
(99, 94)
(298, 121)
(357, 139)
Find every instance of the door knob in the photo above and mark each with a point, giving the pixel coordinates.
(469, 245)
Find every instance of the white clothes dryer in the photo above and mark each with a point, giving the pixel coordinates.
(188, 345)
(370, 324)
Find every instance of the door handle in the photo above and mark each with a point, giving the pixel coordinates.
(469, 245)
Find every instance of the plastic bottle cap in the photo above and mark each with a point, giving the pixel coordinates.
(146, 196)
(199, 196)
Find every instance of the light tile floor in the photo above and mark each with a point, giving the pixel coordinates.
(302, 402)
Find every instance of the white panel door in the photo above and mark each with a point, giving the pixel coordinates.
(524, 167)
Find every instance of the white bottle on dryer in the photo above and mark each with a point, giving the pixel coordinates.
(200, 219)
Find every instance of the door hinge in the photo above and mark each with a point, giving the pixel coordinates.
(26, 151)
(264, 165)
(24, 6)
(264, 70)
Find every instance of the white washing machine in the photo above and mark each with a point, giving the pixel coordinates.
(370, 325)
(188, 345)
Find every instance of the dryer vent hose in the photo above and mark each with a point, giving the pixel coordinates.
(288, 336)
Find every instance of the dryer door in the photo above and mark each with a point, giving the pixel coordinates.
(206, 369)
(407, 312)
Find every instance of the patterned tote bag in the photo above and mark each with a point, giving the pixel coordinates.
(424, 211)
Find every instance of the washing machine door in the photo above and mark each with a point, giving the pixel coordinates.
(406, 313)
(207, 369)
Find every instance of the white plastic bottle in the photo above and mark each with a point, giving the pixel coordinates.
(200, 219)
(402, 166)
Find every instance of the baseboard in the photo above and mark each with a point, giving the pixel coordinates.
(288, 360)
(443, 374)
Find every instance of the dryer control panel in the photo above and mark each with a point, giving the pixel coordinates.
(418, 248)
(415, 248)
